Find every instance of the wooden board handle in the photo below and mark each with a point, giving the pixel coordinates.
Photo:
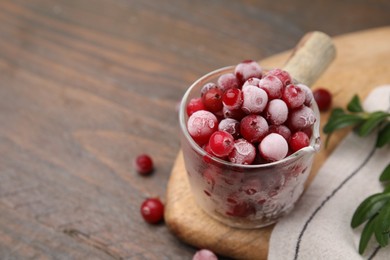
(311, 56)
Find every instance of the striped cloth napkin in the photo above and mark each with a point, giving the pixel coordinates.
(319, 226)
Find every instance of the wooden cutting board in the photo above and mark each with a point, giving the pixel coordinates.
(362, 63)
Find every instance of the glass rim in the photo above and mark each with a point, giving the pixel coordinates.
(314, 140)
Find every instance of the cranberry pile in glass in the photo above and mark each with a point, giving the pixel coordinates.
(251, 116)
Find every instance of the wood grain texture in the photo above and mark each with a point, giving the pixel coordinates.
(85, 86)
(353, 71)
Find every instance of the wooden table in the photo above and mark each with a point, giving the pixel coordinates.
(85, 86)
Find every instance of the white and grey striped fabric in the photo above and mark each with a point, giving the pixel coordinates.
(319, 226)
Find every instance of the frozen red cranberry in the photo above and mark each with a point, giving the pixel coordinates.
(247, 69)
(293, 96)
(308, 94)
(194, 105)
(232, 98)
(255, 99)
(221, 143)
(301, 118)
(243, 152)
(282, 130)
(273, 147)
(230, 125)
(272, 85)
(251, 81)
(152, 210)
(323, 98)
(237, 114)
(204, 254)
(276, 112)
(253, 128)
(212, 100)
(227, 81)
(206, 87)
(143, 164)
(283, 75)
(201, 125)
(241, 209)
(298, 141)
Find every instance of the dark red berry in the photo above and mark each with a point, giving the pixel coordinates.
(143, 164)
(152, 210)
(212, 100)
(194, 105)
(298, 141)
(323, 98)
(293, 96)
(253, 128)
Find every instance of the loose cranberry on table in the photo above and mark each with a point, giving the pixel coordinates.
(143, 164)
(323, 98)
(204, 254)
(152, 210)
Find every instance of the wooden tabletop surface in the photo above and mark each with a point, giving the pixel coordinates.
(86, 86)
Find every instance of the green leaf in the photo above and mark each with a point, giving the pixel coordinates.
(372, 121)
(383, 136)
(355, 105)
(382, 225)
(368, 208)
(367, 233)
(341, 121)
(387, 189)
(385, 176)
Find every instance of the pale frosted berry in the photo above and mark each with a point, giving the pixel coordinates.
(283, 75)
(273, 147)
(237, 114)
(201, 125)
(323, 98)
(243, 152)
(253, 128)
(227, 81)
(194, 105)
(152, 210)
(272, 85)
(204, 254)
(212, 99)
(308, 94)
(247, 69)
(255, 99)
(251, 81)
(207, 87)
(301, 118)
(221, 143)
(232, 98)
(282, 130)
(293, 96)
(143, 164)
(276, 112)
(230, 125)
(298, 141)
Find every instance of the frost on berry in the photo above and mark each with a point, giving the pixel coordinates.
(227, 81)
(293, 96)
(276, 112)
(247, 69)
(302, 118)
(282, 130)
(282, 75)
(255, 99)
(231, 126)
(204, 254)
(273, 147)
(243, 152)
(201, 125)
(251, 81)
(272, 85)
(206, 87)
(253, 128)
(308, 94)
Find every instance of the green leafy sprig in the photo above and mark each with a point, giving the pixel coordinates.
(374, 210)
(364, 123)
